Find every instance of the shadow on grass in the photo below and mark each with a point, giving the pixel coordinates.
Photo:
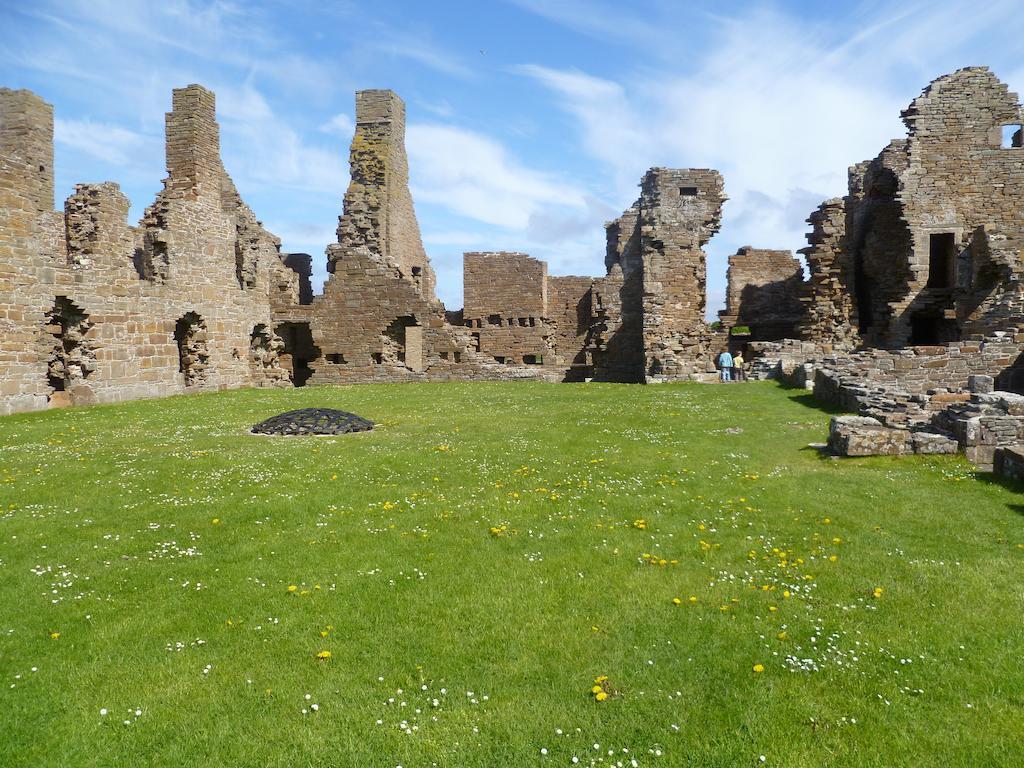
(1015, 486)
(808, 400)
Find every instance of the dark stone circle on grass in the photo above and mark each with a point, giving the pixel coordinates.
(313, 421)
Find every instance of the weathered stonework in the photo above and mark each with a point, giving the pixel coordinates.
(91, 308)
(926, 247)
(762, 293)
(912, 315)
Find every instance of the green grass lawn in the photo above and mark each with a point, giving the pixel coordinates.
(472, 566)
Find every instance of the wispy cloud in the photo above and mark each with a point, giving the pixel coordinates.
(776, 103)
(109, 143)
(417, 46)
(475, 176)
(265, 149)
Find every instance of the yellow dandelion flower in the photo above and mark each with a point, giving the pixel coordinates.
(759, 668)
(596, 689)
(602, 696)
(781, 635)
(215, 521)
(786, 593)
(833, 558)
(693, 598)
(324, 655)
(292, 588)
(876, 592)
(54, 635)
(676, 601)
(773, 608)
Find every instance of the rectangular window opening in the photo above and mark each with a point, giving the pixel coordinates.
(941, 260)
(688, 191)
(1013, 136)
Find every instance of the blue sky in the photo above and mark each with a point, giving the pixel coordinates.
(530, 121)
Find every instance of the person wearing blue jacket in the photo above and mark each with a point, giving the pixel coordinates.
(725, 364)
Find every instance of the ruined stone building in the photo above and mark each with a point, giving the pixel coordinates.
(910, 314)
(95, 310)
(198, 296)
(925, 248)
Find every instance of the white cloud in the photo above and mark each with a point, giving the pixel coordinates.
(262, 148)
(103, 141)
(474, 176)
(339, 125)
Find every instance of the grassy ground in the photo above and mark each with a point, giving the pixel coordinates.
(477, 562)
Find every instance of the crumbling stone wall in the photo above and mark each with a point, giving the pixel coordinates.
(571, 314)
(378, 209)
(933, 226)
(762, 293)
(132, 285)
(680, 209)
(829, 315)
(506, 305)
(649, 310)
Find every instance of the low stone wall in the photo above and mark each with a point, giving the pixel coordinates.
(1009, 463)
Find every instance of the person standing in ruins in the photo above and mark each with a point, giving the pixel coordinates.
(725, 364)
(738, 373)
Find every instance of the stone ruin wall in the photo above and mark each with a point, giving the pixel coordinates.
(762, 293)
(572, 316)
(378, 209)
(829, 310)
(95, 310)
(927, 245)
(962, 181)
(680, 210)
(506, 306)
(198, 295)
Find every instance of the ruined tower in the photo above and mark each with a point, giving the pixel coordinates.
(378, 210)
(26, 145)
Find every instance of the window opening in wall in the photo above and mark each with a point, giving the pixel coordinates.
(511, 321)
(1012, 136)
(522, 322)
(377, 357)
(688, 191)
(533, 322)
(443, 355)
(458, 357)
(193, 354)
(493, 320)
(299, 346)
(337, 358)
(941, 260)
(499, 359)
(929, 328)
(73, 357)
(533, 360)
